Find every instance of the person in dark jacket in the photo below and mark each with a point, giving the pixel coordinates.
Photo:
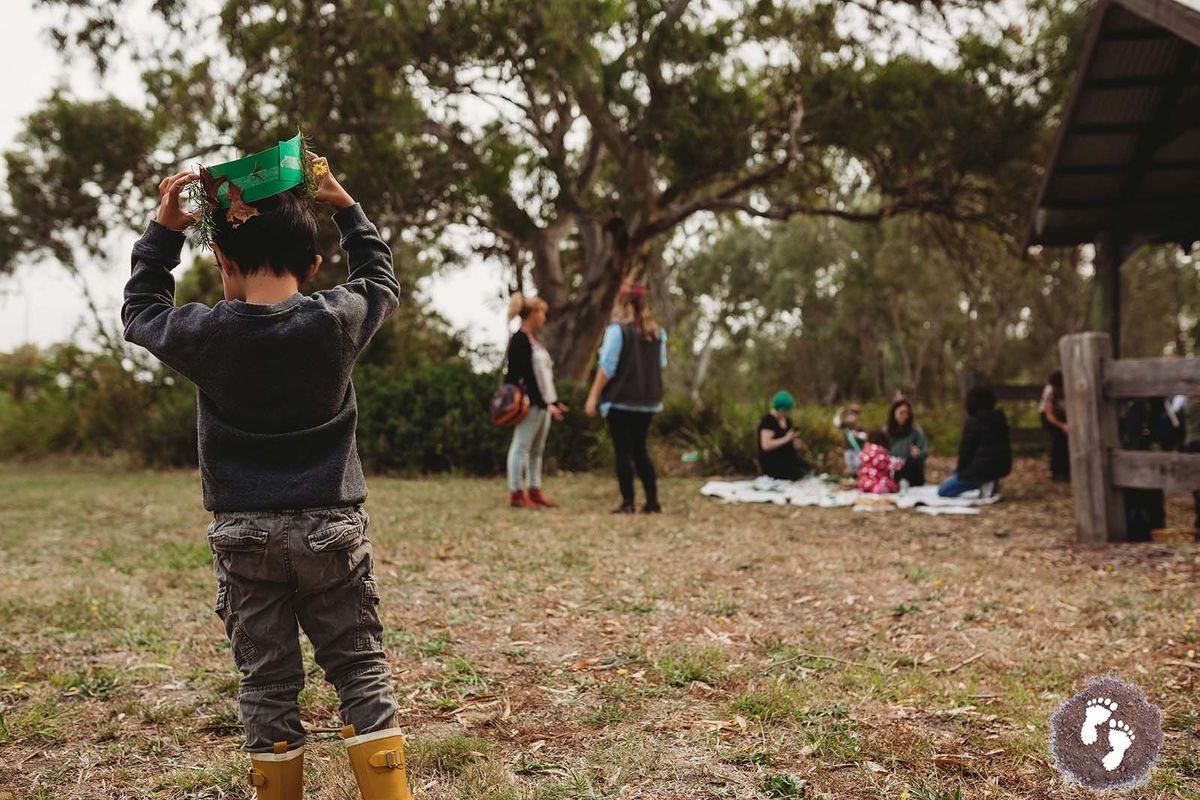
(628, 391)
(985, 449)
(777, 441)
(1054, 420)
(530, 367)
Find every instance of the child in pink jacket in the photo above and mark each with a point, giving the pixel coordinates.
(877, 467)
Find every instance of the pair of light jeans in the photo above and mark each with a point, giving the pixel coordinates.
(527, 448)
(278, 572)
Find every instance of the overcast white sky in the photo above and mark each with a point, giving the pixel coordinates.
(42, 304)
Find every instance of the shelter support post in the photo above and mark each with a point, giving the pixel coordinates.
(1092, 433)
(1106, 292)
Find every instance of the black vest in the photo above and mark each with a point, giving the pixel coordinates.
(638, 380)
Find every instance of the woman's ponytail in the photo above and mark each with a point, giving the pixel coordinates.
(635, 309)
(521, 306)
(516, 304)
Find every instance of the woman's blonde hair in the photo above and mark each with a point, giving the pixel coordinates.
(632, 307)
(521, 306)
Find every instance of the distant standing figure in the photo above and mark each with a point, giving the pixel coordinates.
(848, 420)
(877, 467)
(530, 367)
(777, 441)
(908, 442)
(628, 392)
(984, 450)
(1054, 420)
(1191, 444)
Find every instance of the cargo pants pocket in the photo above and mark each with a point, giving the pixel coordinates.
(245, 651)
(368, 635)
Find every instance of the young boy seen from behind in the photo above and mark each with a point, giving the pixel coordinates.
(279, 463)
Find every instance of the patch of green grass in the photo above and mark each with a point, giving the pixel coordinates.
(434, 646)
(926, 792)
(451, 755)
(92, 684)
(830, 731)
(785, 786)
(227, 773)
(605, 715)
(630, 606)
(745, 757)
(680, 665)
(771, 705)
(461, 672)
(914, 573)
(724, 608)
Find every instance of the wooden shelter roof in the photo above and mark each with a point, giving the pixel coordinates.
(1126, 159)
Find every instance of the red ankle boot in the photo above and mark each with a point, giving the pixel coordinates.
(538, 499)
(518, 500)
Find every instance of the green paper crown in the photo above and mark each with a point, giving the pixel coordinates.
(263, 174)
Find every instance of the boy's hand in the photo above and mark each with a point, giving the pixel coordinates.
(170, 211)
(329, 191)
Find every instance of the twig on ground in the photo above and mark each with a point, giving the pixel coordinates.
(819, 657)
(961, 664)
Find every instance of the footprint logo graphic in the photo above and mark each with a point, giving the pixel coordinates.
(1120, 737)
(1107, 735)
(1098, 712)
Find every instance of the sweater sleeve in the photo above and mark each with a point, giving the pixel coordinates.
(968, 445)
(371, 292)
(150, 318)
(921, 441)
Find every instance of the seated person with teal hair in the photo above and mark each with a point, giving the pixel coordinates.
(777, 442)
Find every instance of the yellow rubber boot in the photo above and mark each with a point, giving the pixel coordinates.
(278, 775)
(378, 763)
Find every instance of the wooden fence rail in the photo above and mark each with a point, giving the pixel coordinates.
(1095, 382)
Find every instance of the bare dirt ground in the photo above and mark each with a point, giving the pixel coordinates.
(713, 651)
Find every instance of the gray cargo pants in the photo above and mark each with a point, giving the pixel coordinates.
(280, 571)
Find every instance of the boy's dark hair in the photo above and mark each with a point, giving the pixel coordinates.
(979, 399)
(1056, 379)
(880, 438)
(282, 238)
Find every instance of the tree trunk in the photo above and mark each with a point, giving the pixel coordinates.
(576, 325)
(705, 359)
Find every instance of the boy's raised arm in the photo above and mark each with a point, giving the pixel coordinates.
(371, 292)
(149, 315)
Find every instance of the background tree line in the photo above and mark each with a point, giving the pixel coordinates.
(822, 195)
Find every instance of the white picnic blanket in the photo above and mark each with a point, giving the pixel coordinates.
(815, 491)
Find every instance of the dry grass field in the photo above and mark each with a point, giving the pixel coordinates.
(715, 651)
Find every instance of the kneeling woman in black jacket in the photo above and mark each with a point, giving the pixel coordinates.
(985, 449)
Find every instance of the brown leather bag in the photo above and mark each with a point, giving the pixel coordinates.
(509, 403)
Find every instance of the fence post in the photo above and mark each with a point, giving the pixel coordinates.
(1092, 432)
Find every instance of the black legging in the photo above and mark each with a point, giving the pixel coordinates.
(913, 471)
(628, 430)
(1060, 453)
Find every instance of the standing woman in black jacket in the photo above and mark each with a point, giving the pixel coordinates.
(530, 367)
(628, 391)
(985, 449)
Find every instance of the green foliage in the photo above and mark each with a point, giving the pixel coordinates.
(570, 138)
(67, 400)
(427, 417)
(433, 418)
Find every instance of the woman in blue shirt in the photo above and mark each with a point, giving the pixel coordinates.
(628, 391)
